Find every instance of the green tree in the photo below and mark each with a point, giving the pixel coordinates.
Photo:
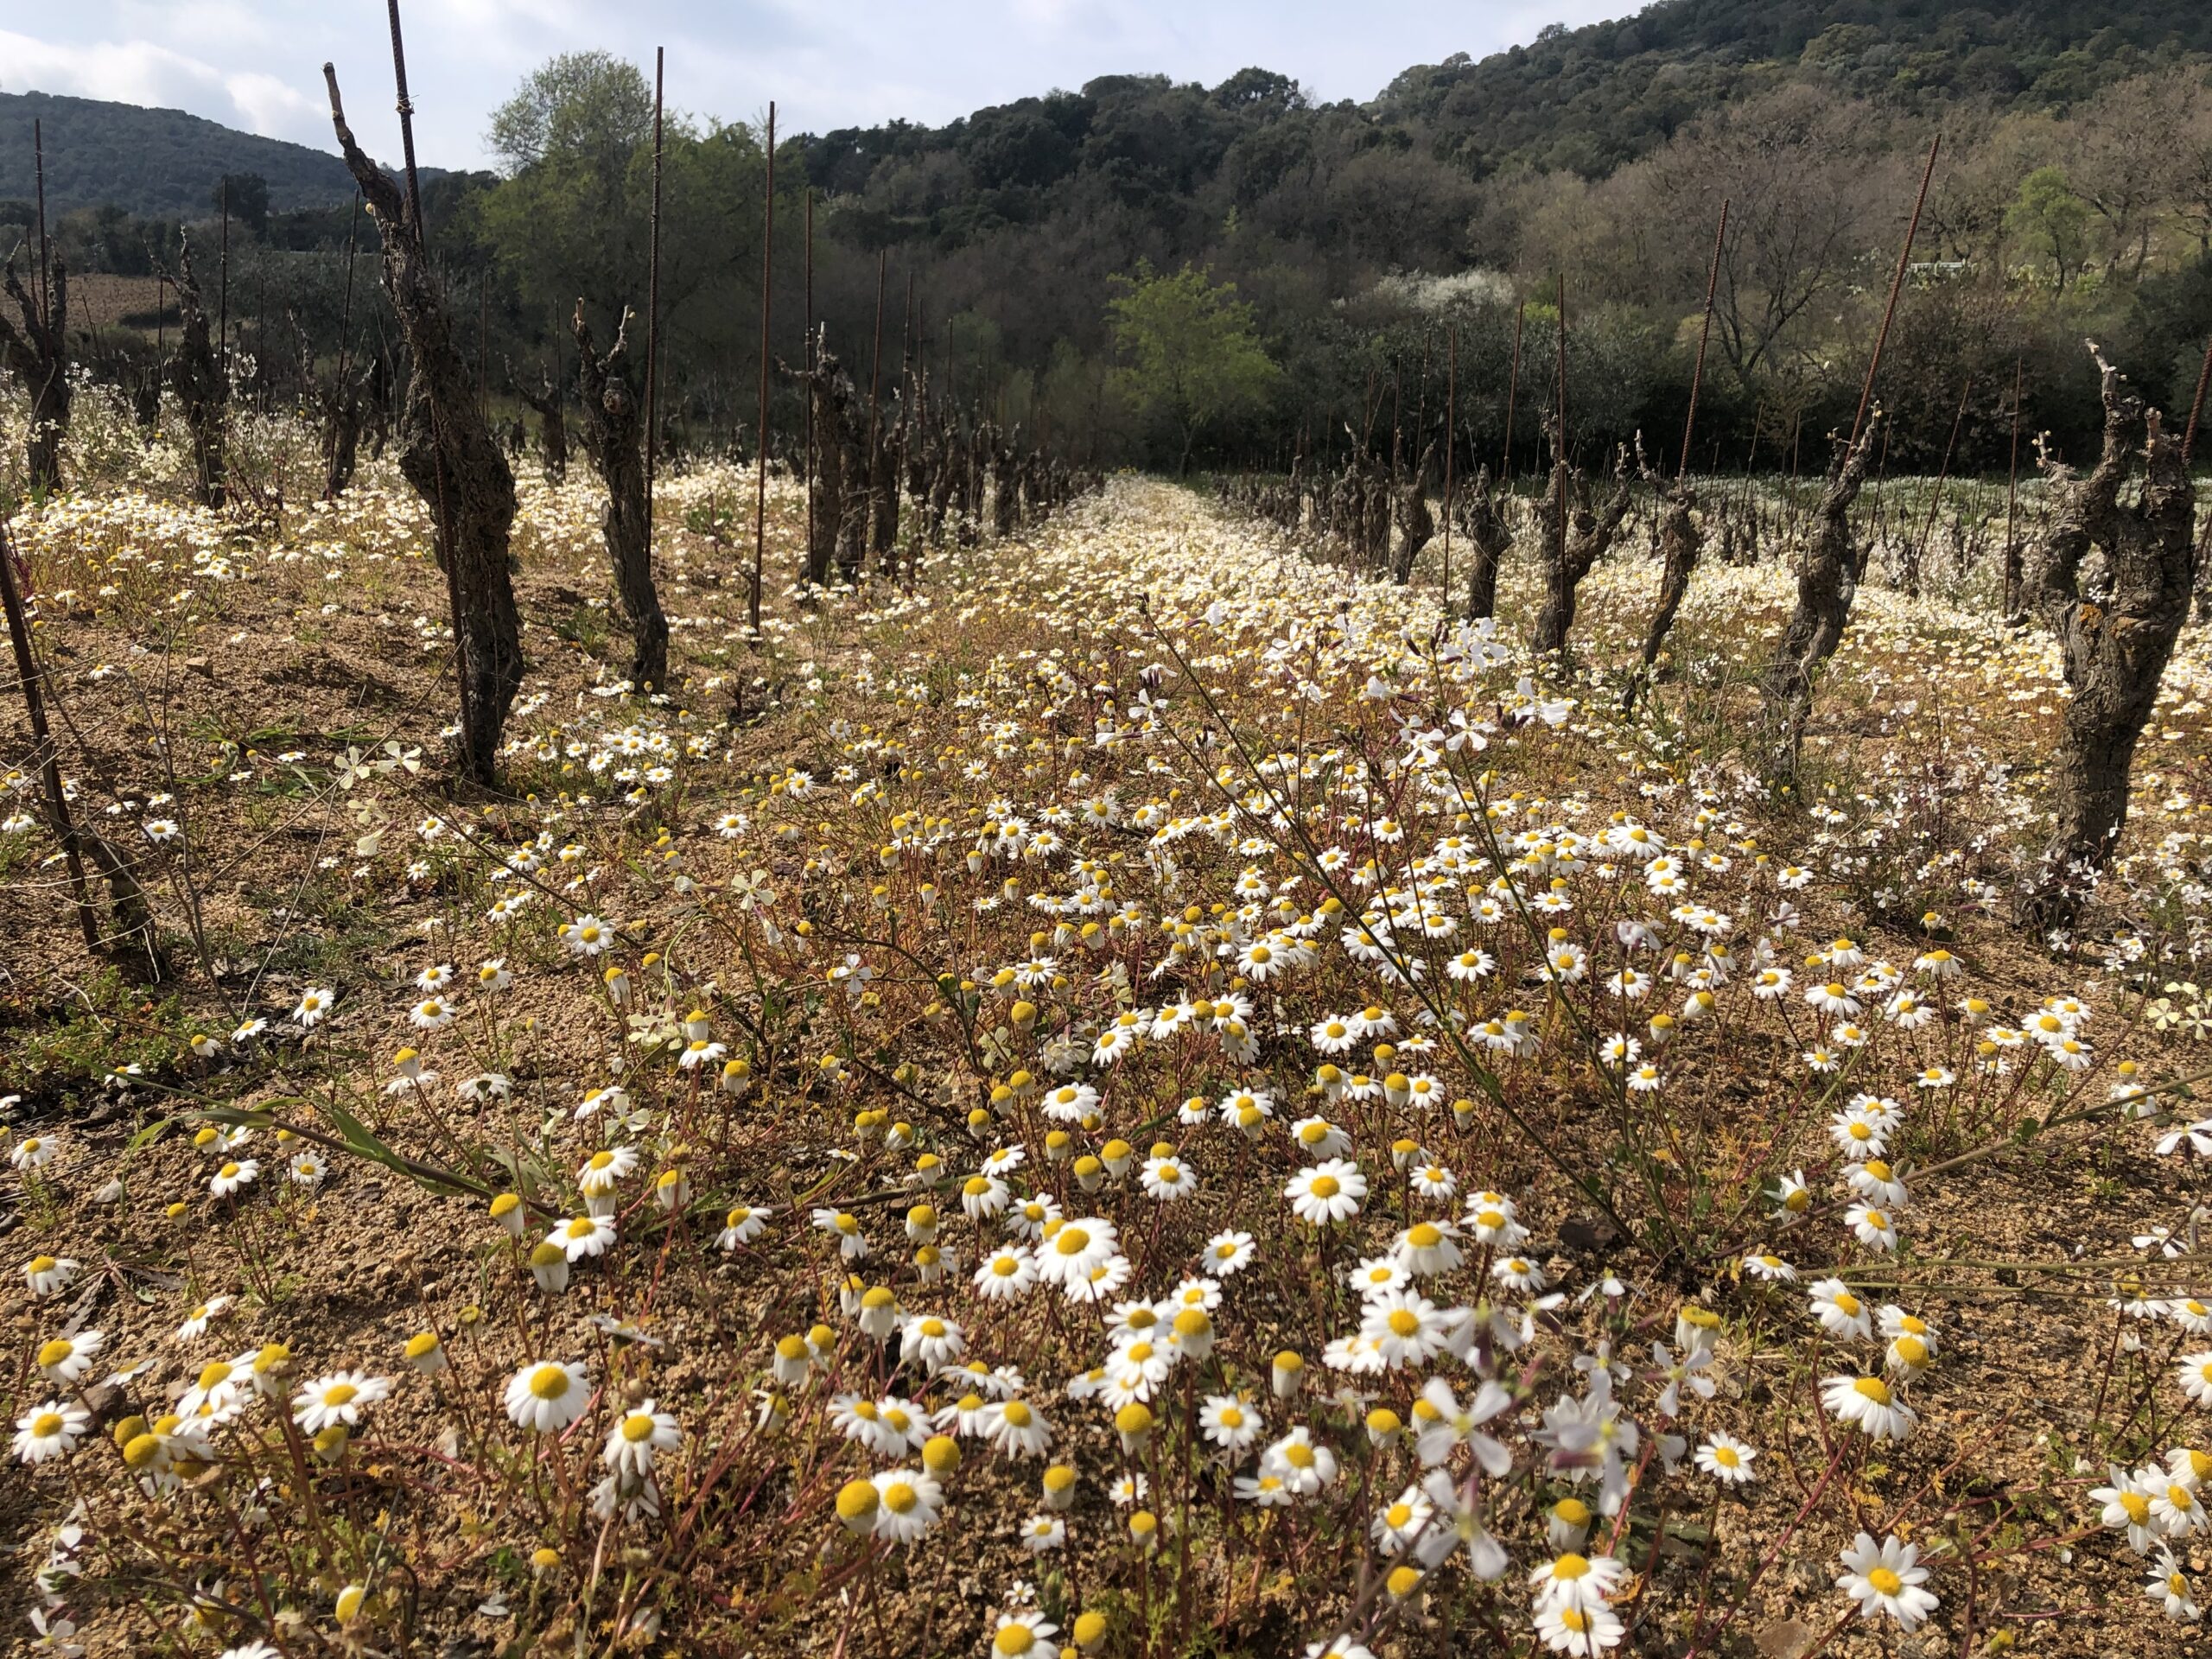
(1195, 357)
(246, 195)
(2053, 220)
(569, 219)
(579, 105)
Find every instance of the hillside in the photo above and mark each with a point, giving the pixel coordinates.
(156, 164)
(1591, 98)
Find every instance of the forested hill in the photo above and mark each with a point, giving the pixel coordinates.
(1591, 98)
(1585, 100)
(154, 163)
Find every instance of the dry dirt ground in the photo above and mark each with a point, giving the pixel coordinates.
(2016, 1255)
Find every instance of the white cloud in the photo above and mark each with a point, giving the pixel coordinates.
(142, 71)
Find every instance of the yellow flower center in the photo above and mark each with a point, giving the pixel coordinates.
(1884, 1581)
(2138, 1507)
(1073, 1241)
(46, 1425)
(549, 1382)
(339, 1393)
(1325, 1186)
(1404, 1322)
(1725, 1456)
(854, 1499)
(1872, 1388)
(1846, 1304)
(636, 1427)
(1570, 1566)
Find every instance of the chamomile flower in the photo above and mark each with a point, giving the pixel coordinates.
(1229, 1253)
(1328, 1192)
(1841, 1310)
(339, 1397)
(908, 1502)
(1868, 1404)
(1727, 1459)
(1886, 1580)
(547, 1396)
(638, 1437)
(66, 1359)
(50, 1431)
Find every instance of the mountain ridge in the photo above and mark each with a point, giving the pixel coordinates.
(156, 164)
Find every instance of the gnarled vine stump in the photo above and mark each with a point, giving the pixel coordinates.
(38, 355)
(614, 438)
(2115, 634)
(448, 453)
(1827, 581)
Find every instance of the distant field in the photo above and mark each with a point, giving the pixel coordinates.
(101, 301)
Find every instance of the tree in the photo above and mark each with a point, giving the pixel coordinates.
(1196, 358)
(245, 197)
(586, 105)
(1793, 167)
(2052, 219)
(571, 217)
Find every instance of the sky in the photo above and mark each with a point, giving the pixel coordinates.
(257, 64)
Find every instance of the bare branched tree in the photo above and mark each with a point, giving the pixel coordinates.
(1785, 162)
